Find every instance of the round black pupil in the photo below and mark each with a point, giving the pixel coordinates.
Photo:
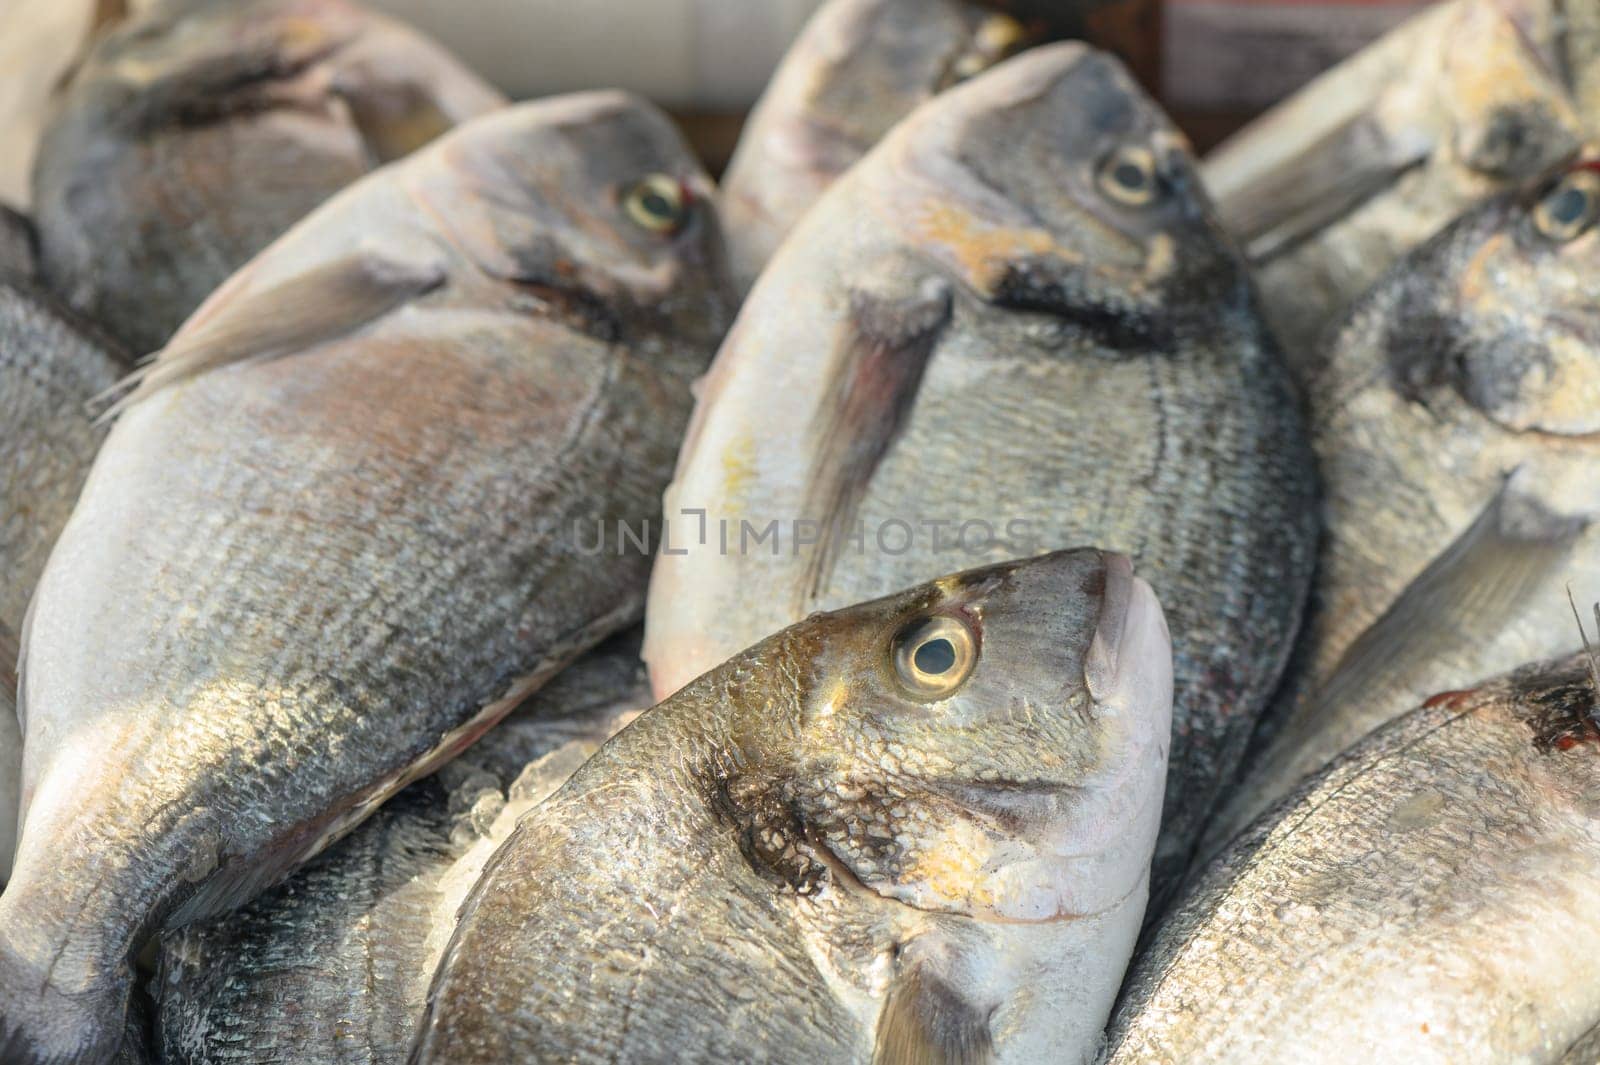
(1569, 206)
(1129, 175)
(656, 204)
(935, 657)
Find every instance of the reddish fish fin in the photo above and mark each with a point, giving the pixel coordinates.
(318, 305)
(879, 358)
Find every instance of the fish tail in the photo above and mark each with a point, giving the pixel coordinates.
(44, 1024)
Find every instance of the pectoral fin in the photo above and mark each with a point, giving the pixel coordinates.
(318, 305)
(1344, 168)
(1465, 595)
(925, 1021)
(882, 350)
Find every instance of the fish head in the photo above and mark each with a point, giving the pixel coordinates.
(190, 53)
(1053, 183)
(867, 63)
(992, 743)
(1504, 307)
(593, 201)
(1463, 101)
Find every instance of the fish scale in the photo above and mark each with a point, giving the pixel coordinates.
(1105, 380)
(395, 569)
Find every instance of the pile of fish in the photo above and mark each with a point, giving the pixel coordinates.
(1097, 605)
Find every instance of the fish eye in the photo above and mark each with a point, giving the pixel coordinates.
(1128, 175)
(995, 38)
(934, 656)
(657, 203)
(1570, 208)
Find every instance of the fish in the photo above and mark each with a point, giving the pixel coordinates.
(1465, 100)
(913, 829)
(17, 243)
(1016, 317)
(1424, 898)
(333, 965)
(1455, 428)
(194, 134)
(857, 68)
(51, 366)
(339, 527)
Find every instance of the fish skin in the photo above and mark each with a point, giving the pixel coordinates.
(1467, 99)
(1425, 898)
(17, 245)
(195, 134)
(1454, 428)
(333, 965)
(51, 365)
(967, 234)
(857, 68)
(793, 859)
(297, 582)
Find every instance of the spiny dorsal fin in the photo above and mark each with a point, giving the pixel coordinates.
(881, 353)
(1588, 651)
(927, 1022)
(323, 303)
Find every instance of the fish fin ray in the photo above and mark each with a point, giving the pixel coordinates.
(879, 359)
(927, 1022)
(1341, 171)
(1486, 574)
(321, 304)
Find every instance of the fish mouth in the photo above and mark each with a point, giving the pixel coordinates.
(1130, 655)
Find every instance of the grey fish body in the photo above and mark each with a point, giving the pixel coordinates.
(967, 329)
(800, 858)
(193, 136)
(1426, 898)
(50, 367)
(1467, 99)
(857, 69)
(333, 965)
(333, 535)
(18, 244)
(1454, 423)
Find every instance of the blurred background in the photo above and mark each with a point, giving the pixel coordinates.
(1214, 63)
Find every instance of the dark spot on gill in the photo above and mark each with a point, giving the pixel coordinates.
(576, 309)
(767, 830)
(1119, 323)
(1562, 712)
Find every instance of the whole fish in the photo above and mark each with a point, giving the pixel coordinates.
(338, 529)
(1467, 99)
(1017, 318)
(917, 829)
(1429, 897)
(193, 136)
(333, 965)
(859, 67)
(17, 242)
(51, 366)
(1456, 423)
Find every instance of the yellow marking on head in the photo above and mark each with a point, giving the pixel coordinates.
(981, 249)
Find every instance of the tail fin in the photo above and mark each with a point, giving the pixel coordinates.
(43, 1024)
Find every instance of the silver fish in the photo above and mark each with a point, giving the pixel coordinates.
(333, 965)
(337, 530)
(859, 67)
(1467, 99)
(194, 135)
(51, 366)
(1456, 424)
(917, 829)
(1428, 898)
(1016, 317)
